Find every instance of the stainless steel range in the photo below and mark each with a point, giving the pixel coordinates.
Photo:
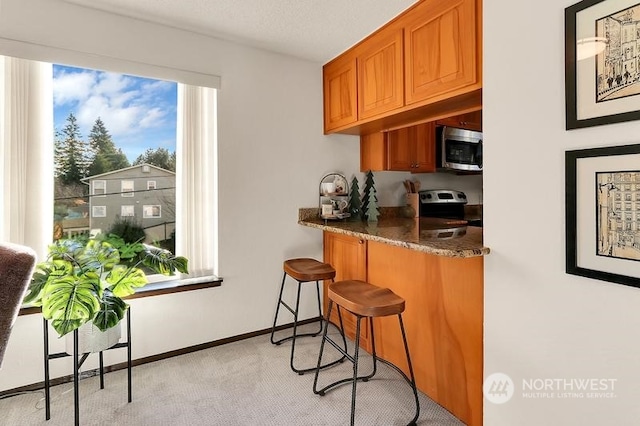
(444, 203)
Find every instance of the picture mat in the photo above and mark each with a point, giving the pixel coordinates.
(586, 205)
(586, 106)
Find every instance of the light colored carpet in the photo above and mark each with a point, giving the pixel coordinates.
(242, 383)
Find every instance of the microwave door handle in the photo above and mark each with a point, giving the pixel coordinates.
(479, 153)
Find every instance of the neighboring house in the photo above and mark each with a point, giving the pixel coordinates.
(144, 194)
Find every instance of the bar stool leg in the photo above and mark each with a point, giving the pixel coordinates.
(413, 379)
(275, 319)
(355, 370)
(295, 334)
(295, 330)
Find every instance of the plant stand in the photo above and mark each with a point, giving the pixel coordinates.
(78, 360)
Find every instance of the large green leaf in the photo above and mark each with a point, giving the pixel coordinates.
(111, 311)
(123, 281)
(163, 261)
(65, 249)
(41, 274)
(69, 302)
(98, 256)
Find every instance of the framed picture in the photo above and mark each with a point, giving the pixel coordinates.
(603, 213)
(602, 62)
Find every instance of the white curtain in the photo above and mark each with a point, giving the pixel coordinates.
(26, 149)
(196, 195)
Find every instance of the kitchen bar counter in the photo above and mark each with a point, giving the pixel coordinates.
(441, 237)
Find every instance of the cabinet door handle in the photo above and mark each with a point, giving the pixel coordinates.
(360, 241)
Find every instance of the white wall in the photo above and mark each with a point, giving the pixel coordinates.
(539, 321)
(272, 155)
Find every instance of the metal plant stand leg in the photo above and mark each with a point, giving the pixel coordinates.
(78, 360)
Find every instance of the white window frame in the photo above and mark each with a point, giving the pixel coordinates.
(150, 207)
(130, 207)
(151, 184)
(104, 188)
(95, 209)
(127, 192)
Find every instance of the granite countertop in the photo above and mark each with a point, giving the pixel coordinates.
(442, 237)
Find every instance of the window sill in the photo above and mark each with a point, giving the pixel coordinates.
(157, 288)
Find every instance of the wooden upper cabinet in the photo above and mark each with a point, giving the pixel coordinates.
(380, 74)
(340, 96)
(373, 152)
(424, 64)
(469, 121)
(412, 149)
(424, 150)
(440, 48)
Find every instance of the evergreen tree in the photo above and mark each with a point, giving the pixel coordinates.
(107, 157)
(372, 207)
(354, 200)
(368, 184)
(159, 157)
(72, 155)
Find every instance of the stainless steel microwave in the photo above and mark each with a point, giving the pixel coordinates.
(458, 149)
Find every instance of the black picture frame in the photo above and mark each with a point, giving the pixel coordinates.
(578, 19)
(580, 166)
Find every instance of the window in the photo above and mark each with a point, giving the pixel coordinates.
(151, 212)
(100, 156)
(151, 184)
(99, 188)
(127, 211)
(127, 188)
(99, 211)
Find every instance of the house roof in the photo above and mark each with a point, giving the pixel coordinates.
(89, 178)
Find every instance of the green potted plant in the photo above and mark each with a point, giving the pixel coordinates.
(85, 280)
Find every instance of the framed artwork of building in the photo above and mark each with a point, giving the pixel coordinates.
(603, 213)
(602, 62)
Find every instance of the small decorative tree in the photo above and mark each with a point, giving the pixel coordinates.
(368, 184)
(354, 200)
(372, 207)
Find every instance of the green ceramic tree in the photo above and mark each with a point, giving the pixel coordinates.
(368, 184)
(355, 204)
(372, 207)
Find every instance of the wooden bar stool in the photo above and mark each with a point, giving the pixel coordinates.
(304, 270)
(364, 300)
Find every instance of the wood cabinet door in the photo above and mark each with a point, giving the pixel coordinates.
(424, 148)
(348, 256)
(399, 150)
(412, 149)
(440, 48)
(469, 121)
(373, 152)
(340, 97)
(380, 74)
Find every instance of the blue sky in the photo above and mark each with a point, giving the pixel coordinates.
(139, 113)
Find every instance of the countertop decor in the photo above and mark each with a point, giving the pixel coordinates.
(442, 237)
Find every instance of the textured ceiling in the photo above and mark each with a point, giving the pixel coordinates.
(316, 30)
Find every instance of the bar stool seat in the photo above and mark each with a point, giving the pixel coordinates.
(303, 270)
(364, 300)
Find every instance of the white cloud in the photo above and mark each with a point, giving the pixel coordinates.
(72, 87)
(154, 117)
(125, 104)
